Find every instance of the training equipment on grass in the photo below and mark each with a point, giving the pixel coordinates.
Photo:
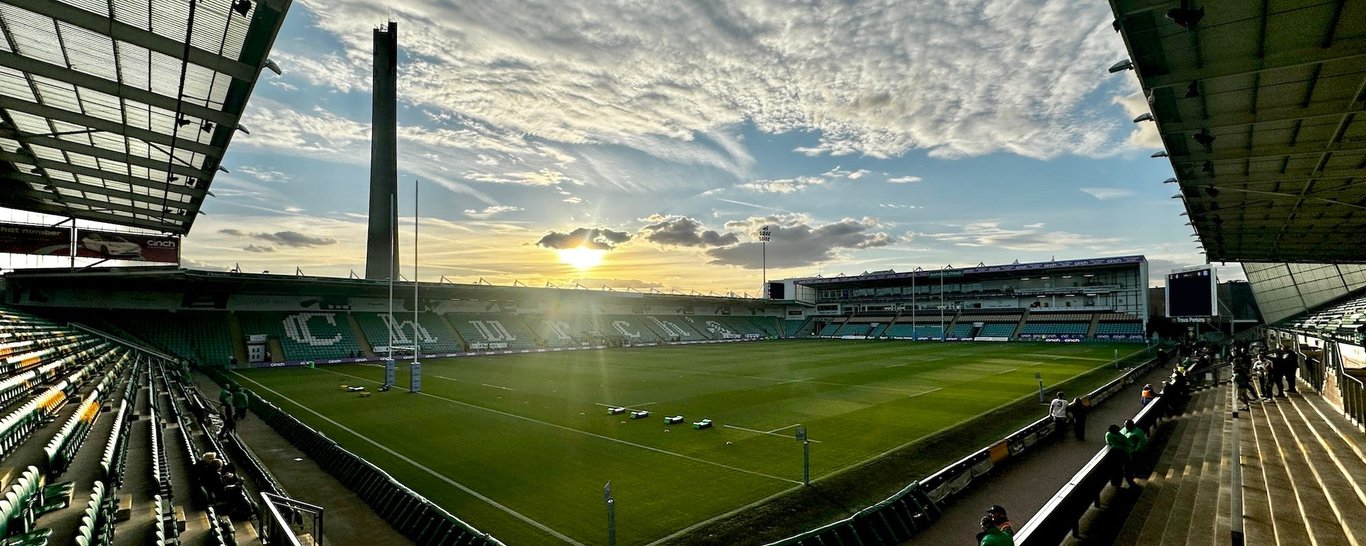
(677, 419)
(616, 411)
(640, 414)
(699, 425)
(365, 395)
(355, 389)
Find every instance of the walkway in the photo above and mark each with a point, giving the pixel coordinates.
(1023, 486)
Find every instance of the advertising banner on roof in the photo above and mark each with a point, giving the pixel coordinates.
(31, 239)
(110, 245)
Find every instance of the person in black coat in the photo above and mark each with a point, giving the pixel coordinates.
(1078, 409)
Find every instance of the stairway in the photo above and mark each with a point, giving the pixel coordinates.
(1304, 474)
(1177, 501)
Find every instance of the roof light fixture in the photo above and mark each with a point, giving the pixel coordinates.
(241, 7)
(1185, 17)
(1121, 66)
(1205, 139)
(1146, 116)
(1162, 153)
(1193, 90)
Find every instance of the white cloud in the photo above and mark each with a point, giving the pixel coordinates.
(490, 211)
(1145, 134)
(904, 180)
(873, 79)
(783, 185)
(991, 234)
(858, 174)
(1105, 194)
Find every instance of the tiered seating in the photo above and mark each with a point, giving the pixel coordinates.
(97, 521)
(997, 329)
(490, 331)
(22, 504)
(559, 330)
(62, 447)
(912, 331)
(767, 325)
(673, 327)
(715, 327)
(830, 329)
(791, 328)
(1346, 317)
(310, 335)
(629, 328)
(435, 336)
(116, 449)
(959, 331)
(1055, 328)
(741, 325)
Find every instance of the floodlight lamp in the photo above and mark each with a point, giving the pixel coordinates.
(180, 121)
(1212, 191)
(1185, 17)
(1146, 116)
(1162, 153)
(270, 63)
(206, 127)
(241, 7)
(243, 128)
(36, 170)
(1193, 90)
(1121, 66)
(172, 178)
(1205, 139)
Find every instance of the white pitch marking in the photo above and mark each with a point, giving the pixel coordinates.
(1003, 372)
(625, 405)
(420, 466)
(495, 386)
(762, 432)
(585, 433)
(786, 427)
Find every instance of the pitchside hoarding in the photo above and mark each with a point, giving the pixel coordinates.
(31, 239)
(111, 245)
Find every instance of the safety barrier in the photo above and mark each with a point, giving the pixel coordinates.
(1354, 399)
(901, 516)
(408, 512)
(1060, 515)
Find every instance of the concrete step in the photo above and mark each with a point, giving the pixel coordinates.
(1176, 476)
(1289, 499)
(1213, 469)
(1335, 433)
(1175, 431)
(1258, 524)
(1326, 470)
(1182, 507)
(1223, 526)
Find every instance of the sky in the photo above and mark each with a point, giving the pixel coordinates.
(642, 145)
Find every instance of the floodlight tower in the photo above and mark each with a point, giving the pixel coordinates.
(764, 236)
(381, 261)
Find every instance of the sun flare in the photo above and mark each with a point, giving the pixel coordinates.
(582, 258)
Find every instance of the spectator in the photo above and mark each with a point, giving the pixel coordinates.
(992, 535)
(1242, 377)
(1278, 369)
(1146, 395)
(1292, 365)
(241, 401)
(997, 513)
(225, 395)
(1078, 410)
(1057, 409)
(1137, 439)
(1123, 449)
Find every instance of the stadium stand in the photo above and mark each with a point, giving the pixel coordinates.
(623, 328)
(959, 331)
(308, 335)
(673, 328)
(433, 336)
(798, 328)
(492, 331)
(1344, 318)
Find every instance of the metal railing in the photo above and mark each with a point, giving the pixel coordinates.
(284, 518)
(1061, 514)
(1353, 399)
(1235, 477)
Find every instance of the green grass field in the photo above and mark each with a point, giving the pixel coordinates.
(520, 446)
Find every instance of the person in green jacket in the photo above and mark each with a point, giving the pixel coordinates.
(1123, 461)
(1137, 441)
(992, 535)
(240, 400)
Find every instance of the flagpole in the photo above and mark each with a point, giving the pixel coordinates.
(416, 307)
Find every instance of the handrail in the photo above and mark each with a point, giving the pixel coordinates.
(125, 342)
(1061, 513)
(1354, 399)
(1236, 477)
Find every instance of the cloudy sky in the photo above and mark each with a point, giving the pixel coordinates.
(644, 144)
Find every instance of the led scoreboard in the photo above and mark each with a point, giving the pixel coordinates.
(1192, 292)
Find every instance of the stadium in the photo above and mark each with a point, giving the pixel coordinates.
(153, 393)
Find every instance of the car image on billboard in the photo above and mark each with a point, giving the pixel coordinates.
(110, 245)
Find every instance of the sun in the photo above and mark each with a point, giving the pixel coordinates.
(581, 257)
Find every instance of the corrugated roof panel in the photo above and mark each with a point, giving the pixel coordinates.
(14, 84)
(34, 35)
(169, 18)
(89, 52)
